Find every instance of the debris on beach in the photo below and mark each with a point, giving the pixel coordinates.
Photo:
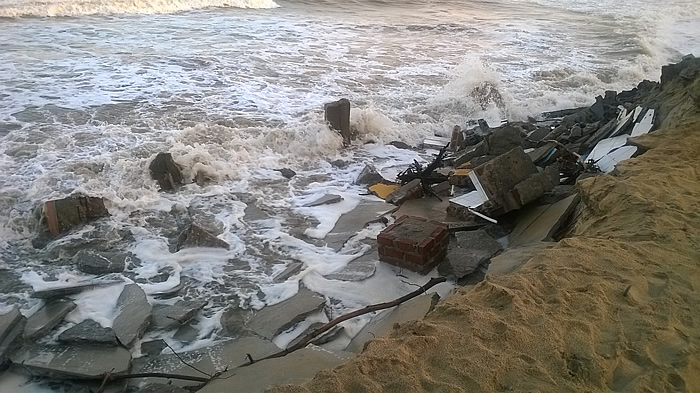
(337, 115)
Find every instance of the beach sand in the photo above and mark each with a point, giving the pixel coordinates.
(615, 306)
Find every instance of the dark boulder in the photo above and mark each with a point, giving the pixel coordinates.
(196, 236)
(166, 172)
(89, 332)
(95, 262)
(337, 114)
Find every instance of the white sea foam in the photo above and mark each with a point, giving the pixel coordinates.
(108, 7)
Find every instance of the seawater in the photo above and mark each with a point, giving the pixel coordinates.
(91, 91)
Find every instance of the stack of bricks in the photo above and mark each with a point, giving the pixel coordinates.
(414, 243)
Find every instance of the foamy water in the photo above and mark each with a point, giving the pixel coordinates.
(235, 89)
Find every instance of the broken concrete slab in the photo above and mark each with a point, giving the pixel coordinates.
(64, 214)
(72, 362)
(337, 114)
(166, 172)
(435, 142)
(358, 269)
(292, 270)
(210, 359)
(513, 259)
(410, 190)
(89, 332)
(384, 322)
(534, 187)
(273, 320)
(467, 252)
(134, 314)
(196, 236)
(296, 368)
(428, 208)
(57, 292)
(171, 317)
(325, 200)
(11, 328)
(96, 262)
(500, 175)
(352, 222)
(540, 223)
(370, 176)
(503, 140)
(50, 315)
(286, 173)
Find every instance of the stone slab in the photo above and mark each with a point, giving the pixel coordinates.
(171, 317)
(89, 332)
(296, 368)
(352, 222)
(95, 262)
(410, 190)
(53, 293)
(134, 314)
(73, 362)
(47, 318)
(383, 322)
(273, 320)
(467, 252)
(428, 208)
(327, 199)
(358, 269)
(211, 359)
(514, 258)
(8, 321)
(540, 223)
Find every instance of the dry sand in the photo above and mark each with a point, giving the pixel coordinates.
(613, 307)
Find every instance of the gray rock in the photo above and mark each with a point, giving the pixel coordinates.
(47, 318)
(358, 269)
(296, 368)
(539, 134)
(383, 322)
(95, 262)
(350, 223)
(535, 186)
(166, 172)
(500, 175)
(89, 332)
(502, 140)
(73, 362)
(273, 320)
(286, 172)
(186, 334)
(8, 321)
(134, 314)
(370, 176)
(410, 190)
(196, 236)
(153, 348)
(171, 317)
(325, 200)
(468, 252)
(337, 114)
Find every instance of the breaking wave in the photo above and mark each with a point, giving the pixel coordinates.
(49, 8)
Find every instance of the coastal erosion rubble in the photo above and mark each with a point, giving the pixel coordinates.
(609, 307)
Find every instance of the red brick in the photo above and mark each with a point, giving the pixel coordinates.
(405, 245)
(426, 246)
(415, 258)
(385, 239)
(392, 252)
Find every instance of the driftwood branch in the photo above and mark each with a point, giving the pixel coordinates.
(373, 307)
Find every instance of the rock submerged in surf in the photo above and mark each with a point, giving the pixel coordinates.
(64, 214)
(166, 172)
(196, 236)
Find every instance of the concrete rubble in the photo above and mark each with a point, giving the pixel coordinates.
(134, 315)
(273, 320)
(48, 316)
(62, 215)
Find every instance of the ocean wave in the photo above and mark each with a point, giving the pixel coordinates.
(51, 8)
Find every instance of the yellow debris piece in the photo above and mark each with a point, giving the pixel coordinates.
(462, 172)
(466, 165)
(383, 190)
